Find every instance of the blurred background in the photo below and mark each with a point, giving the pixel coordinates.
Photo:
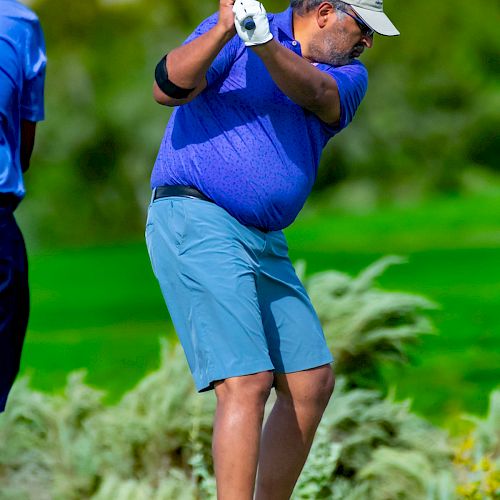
(417, 174)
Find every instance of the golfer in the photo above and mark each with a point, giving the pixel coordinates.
(22, 74)
(253, 110)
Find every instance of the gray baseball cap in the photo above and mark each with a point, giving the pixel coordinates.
(372, 13)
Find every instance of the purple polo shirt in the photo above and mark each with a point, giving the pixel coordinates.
(22, 75)
(243, 142)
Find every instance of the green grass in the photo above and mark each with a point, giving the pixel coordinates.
(101, 308)
(94, 308)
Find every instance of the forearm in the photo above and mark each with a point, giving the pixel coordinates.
(188, 64)
(303, 83)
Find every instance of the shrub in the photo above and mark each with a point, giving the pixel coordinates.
(368, 447)
(477, 458)
(155, 442)
(366, 327)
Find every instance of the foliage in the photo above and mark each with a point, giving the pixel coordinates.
(155, 442)
(73, 446)
(429, 121)
(477, 458)
(369, 447)
(432, 105)
(365, 326)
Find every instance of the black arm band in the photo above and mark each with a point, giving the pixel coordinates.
(165, 85)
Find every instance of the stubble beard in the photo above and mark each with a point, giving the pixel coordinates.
(326, 49)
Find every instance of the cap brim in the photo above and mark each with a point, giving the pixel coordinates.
(377, 21)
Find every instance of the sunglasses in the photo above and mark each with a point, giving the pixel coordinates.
(365, 29)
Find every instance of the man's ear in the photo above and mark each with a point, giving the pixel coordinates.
(324, 14)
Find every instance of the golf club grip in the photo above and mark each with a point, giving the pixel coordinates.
(249, 23)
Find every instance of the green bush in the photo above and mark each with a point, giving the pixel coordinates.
(155, 442)
(364, 326)
(477, 457)
(73, 446)
(368, 447)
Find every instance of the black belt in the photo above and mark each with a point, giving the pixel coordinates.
(186, 191)
(190, 192)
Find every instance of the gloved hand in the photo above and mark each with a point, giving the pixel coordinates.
(244, 9)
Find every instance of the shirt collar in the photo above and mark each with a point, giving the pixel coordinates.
(284, 22)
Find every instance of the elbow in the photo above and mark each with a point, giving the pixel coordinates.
(162, 98)
(326, 105)
(165, 100)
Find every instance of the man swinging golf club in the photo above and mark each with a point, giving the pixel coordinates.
(254, 109)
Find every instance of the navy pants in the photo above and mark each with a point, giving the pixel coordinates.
(14, 300)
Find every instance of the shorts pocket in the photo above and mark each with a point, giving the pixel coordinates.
(177, 221)
(150, 228)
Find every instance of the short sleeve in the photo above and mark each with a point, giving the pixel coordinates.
(35, 59)
(352, 83)
(10, 75)
(222, 63)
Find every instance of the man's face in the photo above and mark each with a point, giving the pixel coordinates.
(339, 42)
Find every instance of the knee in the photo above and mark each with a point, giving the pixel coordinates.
(248, 390)
(326, 385)
(315, 390)
(321, 388)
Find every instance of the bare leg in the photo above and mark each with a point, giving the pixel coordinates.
(237, 432)
(301, 400)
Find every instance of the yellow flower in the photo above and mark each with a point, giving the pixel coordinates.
(463, 455)
(468, 490)
(492, 484)
(484, 464)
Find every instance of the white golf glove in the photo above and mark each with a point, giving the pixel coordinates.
(246, 10)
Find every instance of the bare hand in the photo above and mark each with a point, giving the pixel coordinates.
(226, 16)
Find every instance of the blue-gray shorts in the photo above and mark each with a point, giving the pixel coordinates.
(233, 295)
